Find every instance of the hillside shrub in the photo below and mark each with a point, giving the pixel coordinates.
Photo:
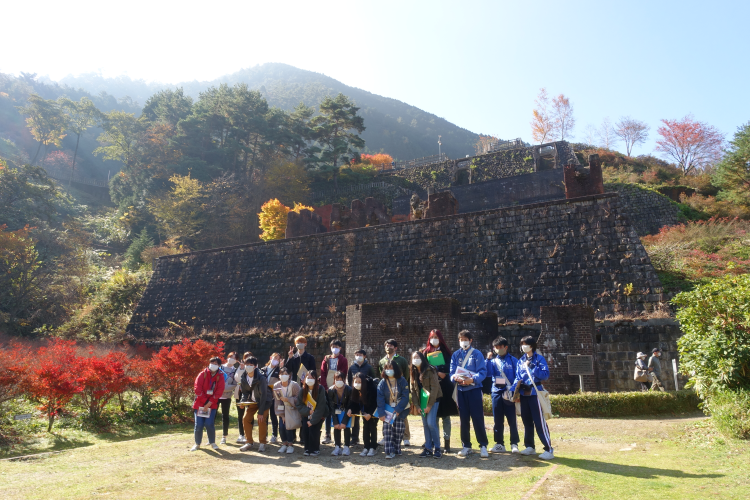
(730, 411)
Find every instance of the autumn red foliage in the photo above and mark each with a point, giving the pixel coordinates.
(102, 378)
(691, 144)
(381, 160)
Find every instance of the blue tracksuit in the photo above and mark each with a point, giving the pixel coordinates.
(531, 411)
(502, 409)
(470, 396)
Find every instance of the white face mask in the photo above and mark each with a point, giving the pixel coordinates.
(416, 362)
(301, 347)
(250, 369)
(231, 361)
(339, 384)
(284, 378)
(213, 367)
(389, 373)
(335, 350)
(465, 344)
(526, 348)
(357, 385)
(435, 342)
(359, 359)
(274, 362)
(310, 382)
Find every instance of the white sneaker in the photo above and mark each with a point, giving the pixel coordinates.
(464, 452)
(327, 440)
(195, 447)
(223, 440)
(261, 447)
(514, 448)
(372, 452)
(528, 451)
(364, 453)
(214, 446)
(247, 447)
(290, 449)
(282, 449)
(336, 451)
(406, 442)
(345, 452)
(498, 448)
(392, 455)
(548, 455)
(241, 440)
(274, 439)
(483, 452)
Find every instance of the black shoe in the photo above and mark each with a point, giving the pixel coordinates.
(438, 453)
(425, 453)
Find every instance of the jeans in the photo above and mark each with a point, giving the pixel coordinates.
(393, 434)
(470, 408)
(208, 423)
(250, 412)
(240, 414)
(501, 410)
(287, 436)
(431, 432)
(225, 404)
(370, 433)
(311, 436)
(531, 416)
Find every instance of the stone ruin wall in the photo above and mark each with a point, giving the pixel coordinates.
(509, 261)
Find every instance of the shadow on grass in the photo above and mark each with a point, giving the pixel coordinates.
(636, 471)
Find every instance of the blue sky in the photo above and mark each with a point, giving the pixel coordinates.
(477, 64)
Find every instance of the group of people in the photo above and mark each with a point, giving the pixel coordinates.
(649, 375)
(344, 399)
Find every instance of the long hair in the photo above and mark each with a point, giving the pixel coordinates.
(417, 371)
(396, 370)
(270, 358)
(359, 395)
(442, 347)
(306, 388)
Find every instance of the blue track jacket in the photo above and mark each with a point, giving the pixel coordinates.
(538, 368)
(475, 365)
(498, 366)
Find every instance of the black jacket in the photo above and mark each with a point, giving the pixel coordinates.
(292, 364)
(258, 388)
(366, 369)
(370, 403)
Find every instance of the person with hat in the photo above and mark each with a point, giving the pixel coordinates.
(641, 366)
(654, 368)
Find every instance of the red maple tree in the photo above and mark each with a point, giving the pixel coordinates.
(102, 378)
(693, 145)
(13, 360)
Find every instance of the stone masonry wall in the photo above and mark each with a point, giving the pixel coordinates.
(509, 261)
(647, 210)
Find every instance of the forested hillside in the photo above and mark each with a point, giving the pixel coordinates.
(393, 127)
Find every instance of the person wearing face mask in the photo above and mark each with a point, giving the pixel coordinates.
(230, 390)
(360, 365)
(271, 372)
(209, 386)
(299, 361)
(501, 371)
(340, 411)
(425, 382)
(392, 356)
(237, 399)
(654, 368)
(532, 415)
(439, 355)
(365, 402)
(468, 370)
(257, 398)
(312, 405)
(285, 400)
(393, 391)
(335, 362)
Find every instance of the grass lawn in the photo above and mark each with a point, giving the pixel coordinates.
(680, 457)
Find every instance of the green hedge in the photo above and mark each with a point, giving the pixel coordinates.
(618, 404)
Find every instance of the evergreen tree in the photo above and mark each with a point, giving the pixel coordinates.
(132, 258)
(733, 172)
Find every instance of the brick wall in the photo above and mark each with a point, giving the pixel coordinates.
(509, 261)
(647, 210)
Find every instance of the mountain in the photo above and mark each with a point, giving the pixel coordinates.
(394, 127)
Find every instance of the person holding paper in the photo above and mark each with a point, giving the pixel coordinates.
(335, 362)
(393, 398)
(256, 398)
(532, 416)
(312, 406)
(271, 372)
(439, 355)
(360, 365)
(230, 390)
(285, 393)
(365, 402)
(468, 370)
(339, 407)
(209, 386)
(501, 370)
(426, 395)
(299, 361)
(391, 355)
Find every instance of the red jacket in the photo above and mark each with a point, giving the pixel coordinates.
(343, 367)
(203, 383)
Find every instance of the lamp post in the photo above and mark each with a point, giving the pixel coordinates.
(440, 154)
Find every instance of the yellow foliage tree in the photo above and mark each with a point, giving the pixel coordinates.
(273, 216)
